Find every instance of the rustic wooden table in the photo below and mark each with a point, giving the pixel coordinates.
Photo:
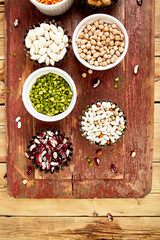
(80, 219)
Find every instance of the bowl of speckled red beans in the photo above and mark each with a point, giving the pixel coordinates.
(52, 7)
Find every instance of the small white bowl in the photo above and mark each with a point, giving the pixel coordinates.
(54, 9)
(89, 20)
(28, 86)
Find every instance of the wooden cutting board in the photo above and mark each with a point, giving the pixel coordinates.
(134, 95)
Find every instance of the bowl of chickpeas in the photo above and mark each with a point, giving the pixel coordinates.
(100, 42)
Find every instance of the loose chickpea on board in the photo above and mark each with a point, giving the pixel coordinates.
(99, 3)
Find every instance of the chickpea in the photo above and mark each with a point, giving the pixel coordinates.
(109, 47)
(90, 71)
(86, 36)
(85, 30)
(105, 29)
(101, 64)
(93, 29)
(85, 50)
(106, 34)
(114, 26)
(99, 59)
(112, 52)
(89, 27)
(105, 24)
(103, 38)
(104, 64)
(117, 38)
(83, 41)
(118, 53)
(88, 57)
(80, 50)
(84, 75)
(121, 49)
(114, 31)
(98, 39)
(78, 41)
(101, 27)
(96, 24)
(105, 56)
(93, 42)
(85, 57)
(82, 55)
(115, 57)
(81, 35)
(108, 61)
(117, 43)
(107, 51)
(115, 48)
(92, 47)
(107, 40)
(119, 32)
(112, 60)
(91, 62)
(93, 52)
(122, 44)
(96, 63)
(91, 37)
(103, 43)
(89, 53)
(121, 36)
(109, 56)
(99, 43)
(111, 43)
(83, 46)
(97, 32)
(88, 46)
(95, 37)
(97, 48)
(100, 34)
(96, 54)
(110, 29)
(100, 22)
(111, 37)
(89, 33)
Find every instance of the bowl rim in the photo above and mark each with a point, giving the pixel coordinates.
(32, 79)
(92, 18)
(47, 6)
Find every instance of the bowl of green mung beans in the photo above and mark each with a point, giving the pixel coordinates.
(49, 94)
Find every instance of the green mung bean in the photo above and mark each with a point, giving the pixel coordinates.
(51, 94)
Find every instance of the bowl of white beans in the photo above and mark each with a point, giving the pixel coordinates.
(100, 42)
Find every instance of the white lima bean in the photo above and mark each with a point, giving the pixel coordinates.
(47, 43)
(100, 43)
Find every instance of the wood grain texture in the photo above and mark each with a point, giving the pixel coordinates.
(148, 206)
(94, 228)
(134, 95)
(157, 91)
(157, 19)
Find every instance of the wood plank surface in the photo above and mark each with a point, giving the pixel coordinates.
(148, 206)
(94, 228)
(55, 227)
(135, 96)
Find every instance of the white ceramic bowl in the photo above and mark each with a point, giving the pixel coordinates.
(28, 86)
(90, 19)
(54, 9)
